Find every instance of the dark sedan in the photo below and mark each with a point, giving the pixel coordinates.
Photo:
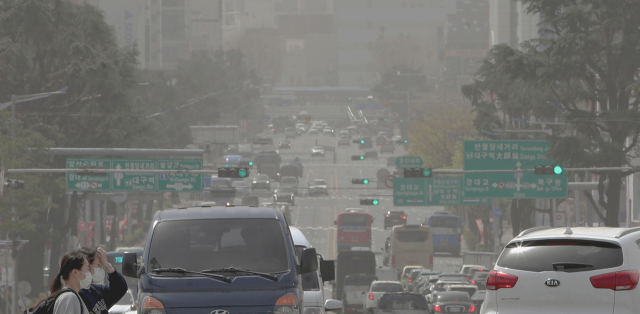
(261, 181)
(478, 298)
(394, 218)
(452, 302)
(284, 144)
(399, 303)
(284, 194)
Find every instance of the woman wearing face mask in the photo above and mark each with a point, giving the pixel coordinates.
(73, 276)
(99, 297)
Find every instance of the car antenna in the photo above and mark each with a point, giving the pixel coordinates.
(568, 231)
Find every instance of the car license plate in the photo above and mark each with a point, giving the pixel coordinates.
(455, 309)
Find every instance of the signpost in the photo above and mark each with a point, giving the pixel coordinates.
(141, 182)
(510, 155)
(77, 182)
(441, 191)
(135, 182)
(183, 181)
(409, 162)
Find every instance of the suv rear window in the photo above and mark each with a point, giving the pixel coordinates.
(359, 280)
(386, 287)
(561, 255)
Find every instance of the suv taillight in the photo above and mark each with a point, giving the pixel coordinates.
(403, 217)
(370, 295)
(472, 309)
(497, 280)
(437, 308)
(622, 280)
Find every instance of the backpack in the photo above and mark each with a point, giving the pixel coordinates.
(46, 306)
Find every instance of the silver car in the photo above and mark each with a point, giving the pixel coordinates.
(317, 151)
(318, 186)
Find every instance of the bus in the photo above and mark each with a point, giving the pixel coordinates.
(447, 232)
(411, 245)
(353, 229)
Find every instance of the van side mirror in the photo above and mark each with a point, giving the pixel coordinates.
(332, 305)
(328, 270)
(130, 265)
(308, 261)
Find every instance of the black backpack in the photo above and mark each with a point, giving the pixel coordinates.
(46, 306)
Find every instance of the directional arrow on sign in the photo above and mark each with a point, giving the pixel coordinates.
(118, 175)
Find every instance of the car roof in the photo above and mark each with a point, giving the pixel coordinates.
(588, 232)
(298, 238)
(216, 212)
(387, 281)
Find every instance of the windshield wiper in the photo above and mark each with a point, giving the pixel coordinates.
(568, 267)
(183, 271)
(236, 270)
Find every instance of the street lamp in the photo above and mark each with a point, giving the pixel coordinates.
(25, 98)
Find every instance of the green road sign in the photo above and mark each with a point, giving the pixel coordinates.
(510, 155)
(77, 182)
(141, 182)
(186, 182)
(409, 162)
(442, 191)
(409, 192)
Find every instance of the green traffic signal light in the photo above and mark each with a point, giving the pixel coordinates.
(406, 141)
(375, 202)
(361, 141)
(426, 172)
(365, 181)
(251, 163)
(401, 121)
(242, 173)
(558, 170)
(361, 157)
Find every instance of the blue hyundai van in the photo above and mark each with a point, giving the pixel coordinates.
(220, 260)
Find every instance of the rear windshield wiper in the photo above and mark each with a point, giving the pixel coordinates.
(236, 270)
(179, 270)
(569, 267)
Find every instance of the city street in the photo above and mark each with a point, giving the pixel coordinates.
(315, 215)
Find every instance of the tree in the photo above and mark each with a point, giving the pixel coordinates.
(584, 66)
(436, 138)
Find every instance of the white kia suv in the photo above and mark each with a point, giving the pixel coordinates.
(567, 270)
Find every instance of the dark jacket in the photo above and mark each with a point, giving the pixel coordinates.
(100, 298)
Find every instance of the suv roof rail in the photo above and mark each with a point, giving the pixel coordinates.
(627, 231)
(534, 229)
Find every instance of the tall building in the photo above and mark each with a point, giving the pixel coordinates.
(175, 30)
(527, 24)
(206, 25)
(467, 41)
(360, 25)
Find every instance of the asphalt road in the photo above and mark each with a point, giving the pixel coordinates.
(315, 215)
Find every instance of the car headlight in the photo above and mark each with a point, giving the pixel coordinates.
(255, 181)
(313, 310)
(286, 304)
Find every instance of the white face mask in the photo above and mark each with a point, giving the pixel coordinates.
(98, 275)
(86, 282)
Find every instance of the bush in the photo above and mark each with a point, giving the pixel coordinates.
(137, 236)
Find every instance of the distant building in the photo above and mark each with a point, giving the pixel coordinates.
(467, 41)
(360, 24)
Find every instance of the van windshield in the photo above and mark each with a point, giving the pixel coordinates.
(250, 244)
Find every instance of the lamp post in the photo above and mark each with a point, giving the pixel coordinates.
(24, 98)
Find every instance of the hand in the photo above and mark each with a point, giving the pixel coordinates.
(102, 254)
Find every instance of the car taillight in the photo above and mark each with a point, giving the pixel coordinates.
(403, 217)
(410, 280)
(370, 295)
(472, 309)
(622, 280)
(437, 308)
(497, 280)
(393, 261)
(473, 282)
(387, 216)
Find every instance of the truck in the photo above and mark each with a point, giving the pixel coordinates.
(352, 262)
(485, 259)
(280, 124)
(215, 139)
(268, 162)
(221, 191)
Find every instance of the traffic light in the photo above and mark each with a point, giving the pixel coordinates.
(373, 202)
(246, 164)
(406, 141)
(548, 170)
(417, 172)
(233, 172)
(357, 157)
(359, 181)
(14, 184)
